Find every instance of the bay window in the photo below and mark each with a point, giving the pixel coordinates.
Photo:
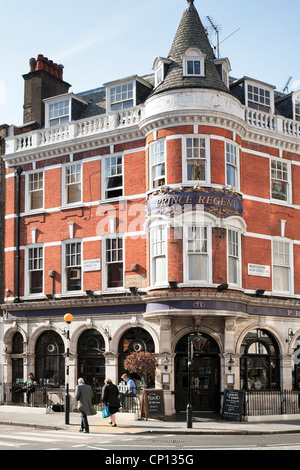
(158, 163)
(197, 253)
(158, 253)
(234, 257)
(196, 152)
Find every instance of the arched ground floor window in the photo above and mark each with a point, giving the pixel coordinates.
(134, 340)
(49, 359)
(260, 361)
(91, 361)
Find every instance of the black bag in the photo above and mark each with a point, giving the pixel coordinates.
(57, 407)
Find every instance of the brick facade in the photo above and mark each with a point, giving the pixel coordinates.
(144, 262)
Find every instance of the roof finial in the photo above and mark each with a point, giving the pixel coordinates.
(190, 4)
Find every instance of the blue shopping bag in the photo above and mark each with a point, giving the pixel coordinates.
(105, 412)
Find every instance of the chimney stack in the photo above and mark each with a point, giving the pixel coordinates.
(44, 80)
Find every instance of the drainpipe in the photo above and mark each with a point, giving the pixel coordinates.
(18, 172)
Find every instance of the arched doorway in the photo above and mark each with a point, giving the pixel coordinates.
(260, 361)
(91, 361)
(204, 376)
(49, 359)
(134, 340)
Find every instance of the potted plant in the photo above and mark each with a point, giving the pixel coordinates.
(141, 363)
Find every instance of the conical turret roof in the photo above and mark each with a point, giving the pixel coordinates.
(191, 34)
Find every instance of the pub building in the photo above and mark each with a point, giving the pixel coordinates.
(152, 208)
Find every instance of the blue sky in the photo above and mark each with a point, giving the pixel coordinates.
(103, 40)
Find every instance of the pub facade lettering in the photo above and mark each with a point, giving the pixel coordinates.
(152, 208)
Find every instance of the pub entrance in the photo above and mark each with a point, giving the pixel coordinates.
(204, 376)
(91, 361)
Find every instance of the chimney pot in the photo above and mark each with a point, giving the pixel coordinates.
(32, 64)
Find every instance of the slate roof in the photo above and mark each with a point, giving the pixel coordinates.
(191, 33)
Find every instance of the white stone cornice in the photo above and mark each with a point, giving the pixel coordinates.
(73, 146)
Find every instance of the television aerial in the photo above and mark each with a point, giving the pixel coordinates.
(211, 27)
(286, 88)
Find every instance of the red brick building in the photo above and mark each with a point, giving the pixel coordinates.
(152, 208)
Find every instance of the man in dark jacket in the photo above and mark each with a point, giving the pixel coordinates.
(110, 398)
(84, 396)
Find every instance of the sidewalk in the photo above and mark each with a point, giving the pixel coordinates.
(37, 417)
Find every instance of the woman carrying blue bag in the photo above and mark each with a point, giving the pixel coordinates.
(111, 400)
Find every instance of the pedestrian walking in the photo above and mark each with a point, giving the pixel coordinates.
(110, 398)
(30, 387)
(84, 396)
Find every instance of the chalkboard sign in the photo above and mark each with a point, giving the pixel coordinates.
(153, 405)
(233, 404)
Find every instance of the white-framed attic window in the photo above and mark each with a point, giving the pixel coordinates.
(194, 63)
(296, 100)
(160, 66)
(58, 109)
(259, 96)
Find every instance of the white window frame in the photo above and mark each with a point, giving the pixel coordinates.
(106, 262)
(259, 105)
(28, 192)
(290, 267)
(296, 101)
(231, 254)
(156, 164)
(235, 166)
(65, 184)
(159, 75)
(117, 99)
(187, 253)
(63, 118)
(27, 283)
(160, 241)
(194, 55)
(186, 159)
(282, 180)
(105, 179)
(65, 266)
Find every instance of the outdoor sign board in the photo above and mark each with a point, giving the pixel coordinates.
(233, 404)
(153, 405)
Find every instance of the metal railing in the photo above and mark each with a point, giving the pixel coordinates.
(19, 394)
(271, 402)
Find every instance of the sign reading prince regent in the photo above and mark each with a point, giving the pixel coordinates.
(219, 202)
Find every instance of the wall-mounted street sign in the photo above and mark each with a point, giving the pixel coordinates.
(91, 265)
(259, 270)
(220, 202)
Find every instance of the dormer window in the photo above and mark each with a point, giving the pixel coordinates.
(59, 113)
(193, 63)
(259, 96)
(297, 109)
(160, 68)
(159, 75)
(121, 96)
(60, 110)
(223, 66)
(126, 93)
